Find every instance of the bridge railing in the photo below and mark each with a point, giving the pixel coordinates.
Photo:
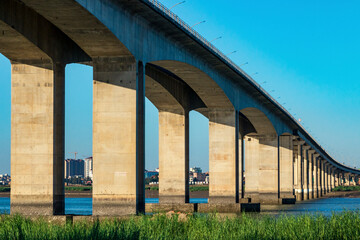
(169, 14)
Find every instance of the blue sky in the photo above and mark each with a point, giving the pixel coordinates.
(306, 54)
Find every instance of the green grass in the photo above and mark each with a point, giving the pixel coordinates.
(346, 188)
(4, 189)
(78, 189)
(199, 188)
(341, 226)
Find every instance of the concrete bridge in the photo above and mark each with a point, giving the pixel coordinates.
(139, 49)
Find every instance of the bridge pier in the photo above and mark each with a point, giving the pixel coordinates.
(37, 138)
(298, 170)
(311, 173)
(118, 136)
(222, 156)
(286, 169)
(173, 164)
(305, 159)
(261, 169)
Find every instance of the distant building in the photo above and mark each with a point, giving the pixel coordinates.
(196, 170)
(88, 168)
(74, 167)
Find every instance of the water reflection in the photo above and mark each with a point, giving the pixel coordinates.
(325, 206)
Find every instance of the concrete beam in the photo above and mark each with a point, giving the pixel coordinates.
(40, 32)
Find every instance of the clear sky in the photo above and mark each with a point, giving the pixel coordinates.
(306, 54)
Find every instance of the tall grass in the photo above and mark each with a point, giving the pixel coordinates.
(341, 226)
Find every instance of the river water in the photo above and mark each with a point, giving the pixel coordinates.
(325, 206)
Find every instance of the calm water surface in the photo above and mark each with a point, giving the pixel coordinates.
(326, 206)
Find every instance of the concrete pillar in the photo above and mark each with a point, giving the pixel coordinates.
(327, 176)
(172, 160)
(299, 191)
(37, 139)
(305, 172)
(286, 170)
(261, 165)
(337, 178)
(323, 177)
(222, 156)
(252, 164)
(118, 137)
(241, 167)
(332, 183)
(298, 171)
(311, 173)
(315, 174)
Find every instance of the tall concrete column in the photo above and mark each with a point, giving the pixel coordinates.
(315, 174)
(306, 172)
(172, 159)
(332, 183)
(323, 177)
(222, 156)
(37, 138)
(118, 136)
(311, 174)
(327, 178)
(252, 164)
(337, 179)
(320, 176)
(261, 169)
(286, 170)
(298, 170)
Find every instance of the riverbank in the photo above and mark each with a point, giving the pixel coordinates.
(182, 226)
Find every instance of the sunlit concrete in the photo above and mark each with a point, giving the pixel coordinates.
(222, 149)
(114, 137)
(37, 139)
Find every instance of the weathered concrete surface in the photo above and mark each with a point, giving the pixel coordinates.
(269, 178)
(297, 171)
(261, 169)
(305, 173)
(172, 160)
(286, 155)
(114, 136)
(37, 139)
(222, 144)
(311, 173)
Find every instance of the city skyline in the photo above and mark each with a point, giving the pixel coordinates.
(276, 45)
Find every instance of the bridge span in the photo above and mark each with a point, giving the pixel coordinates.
(139, 49)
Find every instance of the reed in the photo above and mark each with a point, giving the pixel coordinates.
(339, 226)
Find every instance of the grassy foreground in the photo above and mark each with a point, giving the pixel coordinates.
(341, 226)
